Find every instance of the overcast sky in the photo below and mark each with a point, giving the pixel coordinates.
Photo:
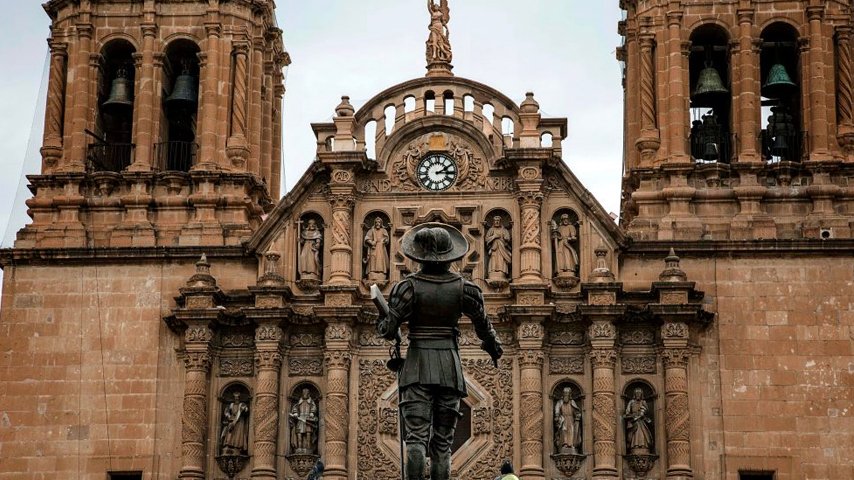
(561, 50)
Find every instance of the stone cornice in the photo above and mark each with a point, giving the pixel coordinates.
(728, 248)
(71, 256)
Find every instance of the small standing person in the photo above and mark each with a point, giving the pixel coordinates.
(506, 471)
(431, 381)
(638, 434)
(310, 241)
(234, 439)
(376, 258)
(304, 423)
(567, 419)
(498, 249)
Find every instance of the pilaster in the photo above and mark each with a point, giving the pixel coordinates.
(337, 359)
(530, 357)
(818, 131)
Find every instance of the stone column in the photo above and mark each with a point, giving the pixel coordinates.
(267, 121)
(336, 415)
(81, 112)
(531, 398)
(238, 149)
(530, 258)
(268, 360)
(276, 168)
(144, 108)
(817, 87)
(677, 415)
(676, 114)
(748, 97)
(194, 421)
(209, 64)
(649, 141)
(256, 79)
(53, 119)
(843, 86)
(603, 358)
(342, 218)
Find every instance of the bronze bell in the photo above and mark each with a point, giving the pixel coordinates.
(779, 83)
(780, 148)
(709, 84)
(119, 92)
(184, 93)
(710, 151)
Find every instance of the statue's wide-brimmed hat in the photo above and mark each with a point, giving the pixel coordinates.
(434, 242)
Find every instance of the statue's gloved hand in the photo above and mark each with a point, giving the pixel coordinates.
(494, 349)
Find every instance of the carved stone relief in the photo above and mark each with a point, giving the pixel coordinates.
(566, 365)
(471, 167)
(305, 366)
(236, 367)
(639, 364)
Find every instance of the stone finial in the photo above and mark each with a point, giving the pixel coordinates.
(271, 277)
(202, 277)
(344, 109)
(672, 272)
(529, 105)
(601, 274)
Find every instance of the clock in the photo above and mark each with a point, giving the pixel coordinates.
(437, 172)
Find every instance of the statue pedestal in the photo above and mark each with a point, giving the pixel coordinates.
(301, 463)
(565, 280)
(231, 465)
(641, 463)
(568, 463)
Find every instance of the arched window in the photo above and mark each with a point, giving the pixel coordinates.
(507, 131)
(371, 139)
(177, 148)
(711, 101)
(488, 116)
(112, 146)
(430, 101)
(408, 104)
(468, 103)
(389, 113)
(782, 134)
(546, 140)
(448, 105)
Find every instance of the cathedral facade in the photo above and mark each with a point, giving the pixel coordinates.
(167, 315)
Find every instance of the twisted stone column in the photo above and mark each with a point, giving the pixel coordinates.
(843, 87)
(210, 74)
(336, 415)
(268, 361)
(817, 88)
(194, 421)
(675, 86)
(648, 143)
(256, 80)
(342, 247)
(530, 358)
(530, 203)
(80, 91)
(603, 357)
(54, 112)
(748, 99)
(677, 415)
(238, 150)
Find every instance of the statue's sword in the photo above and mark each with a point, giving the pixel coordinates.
(395, 363)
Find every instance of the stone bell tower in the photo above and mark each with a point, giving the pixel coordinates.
(738, 119)
(162, 124)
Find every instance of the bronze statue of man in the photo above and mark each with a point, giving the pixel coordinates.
(431, 380)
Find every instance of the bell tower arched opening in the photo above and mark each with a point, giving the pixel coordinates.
(710, 101)
(177, 148)
(113, 145)
(783, 138)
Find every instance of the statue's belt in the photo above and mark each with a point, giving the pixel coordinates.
(434, 337)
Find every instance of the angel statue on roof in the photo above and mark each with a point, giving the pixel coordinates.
(439, 45)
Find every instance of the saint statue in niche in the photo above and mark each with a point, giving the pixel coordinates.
(376, 252)
(498, 254)
(638, 433)
(303, 418)
(567, 422)
(234, 438)
(311, 240)
(564, 236)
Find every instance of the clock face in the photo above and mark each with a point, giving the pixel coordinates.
(437, 172)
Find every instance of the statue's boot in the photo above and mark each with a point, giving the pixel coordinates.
(415, 459)
(440, 466)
